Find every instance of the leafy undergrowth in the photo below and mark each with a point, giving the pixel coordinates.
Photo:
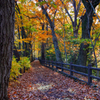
(41, 83)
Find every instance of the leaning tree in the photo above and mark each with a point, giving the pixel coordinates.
(7, 12)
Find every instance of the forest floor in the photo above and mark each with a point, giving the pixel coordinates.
(41, 83)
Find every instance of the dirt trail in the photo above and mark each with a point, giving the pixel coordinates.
(41, 83)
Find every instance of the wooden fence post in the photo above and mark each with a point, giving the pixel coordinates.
(46, 63)
(43, 62)
(24, 69)
(52, 64)
(71, 68)
(62, 66)
(89, 74)
(56, 65)
(20, 70)
(49, 63)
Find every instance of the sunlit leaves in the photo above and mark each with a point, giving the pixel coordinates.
(31, 17)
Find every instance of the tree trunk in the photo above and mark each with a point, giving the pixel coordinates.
(23, 43)
(19, 47)
(75, 31)
(43, 47)
(30, 52)
(22, 30)
(55, 41)
(64, 41)
(43, 51)
(82, 58)
(7, 10)
(86, 28)
(16, 53)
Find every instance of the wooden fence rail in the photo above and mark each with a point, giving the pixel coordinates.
(69, 67)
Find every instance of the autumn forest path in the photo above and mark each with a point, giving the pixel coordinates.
(41, 83)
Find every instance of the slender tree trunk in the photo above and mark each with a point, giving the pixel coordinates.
(22, 31)
(16, 53)
(23, 43)
(19, 42)
(65, 50)
(30, 51)
(64, 40)
(43, 47)
(46, 45)
(34, 48)
(7, 10)
(26, 50)
(43, 51)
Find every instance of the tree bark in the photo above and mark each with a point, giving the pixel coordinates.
(19, 47)
(23, 43)
(87, 20)
(7, 12)
(22, 30)
(16, 53)
(30, 52)
(43, 51)
(55, 41)
(82, 58)
(43, 47)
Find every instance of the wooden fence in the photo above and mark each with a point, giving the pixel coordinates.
(70, 67)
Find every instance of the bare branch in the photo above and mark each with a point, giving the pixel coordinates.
(54, 15)
(78, 7)
(67, 12)
(94, 9)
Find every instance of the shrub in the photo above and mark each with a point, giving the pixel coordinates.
(15, 69)
(16, 66)
(25, 62)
